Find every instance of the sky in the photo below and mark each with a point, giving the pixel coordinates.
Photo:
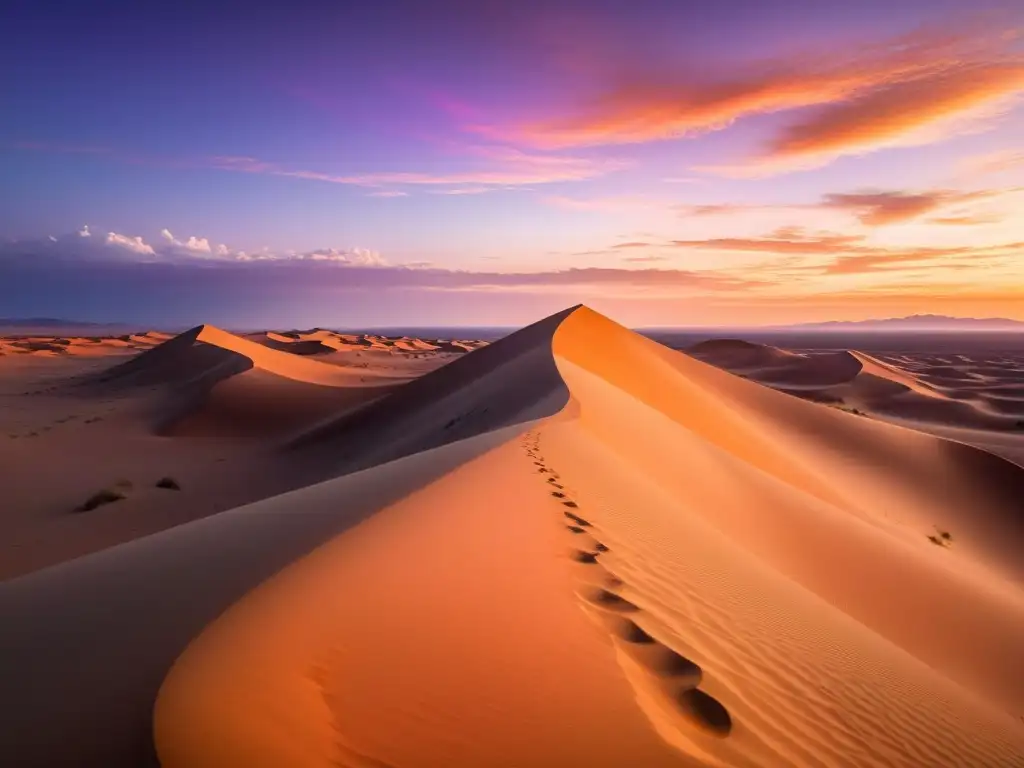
(474, 162)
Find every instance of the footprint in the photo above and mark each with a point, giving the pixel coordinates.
(658, 659)
(582, 556)
(573, 528)
(609, 601)
(571, 504)
(705, 712)
(577, 519)
(558, 494)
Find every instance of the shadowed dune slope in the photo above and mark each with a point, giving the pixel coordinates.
(678, 567)
(509, 381)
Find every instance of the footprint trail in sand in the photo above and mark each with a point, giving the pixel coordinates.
(669, 678)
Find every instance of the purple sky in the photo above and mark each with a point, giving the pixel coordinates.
(667, 162)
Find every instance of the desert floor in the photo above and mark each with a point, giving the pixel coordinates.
(572, 546)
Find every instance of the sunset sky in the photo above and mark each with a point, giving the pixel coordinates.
(667, 162)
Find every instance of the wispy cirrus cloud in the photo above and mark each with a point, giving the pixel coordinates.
(888, 207)
(801, 254)
(464, 191)
(502, 166)
(788, 240)
(905, 113)
(605, 204)
(964, 221)
(892, 93)
(644, 259)
(993, 162)
(875, 208)
(488, 167)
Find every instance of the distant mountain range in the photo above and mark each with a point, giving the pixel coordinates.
(916, 323)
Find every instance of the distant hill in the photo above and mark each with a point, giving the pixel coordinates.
(916, 323)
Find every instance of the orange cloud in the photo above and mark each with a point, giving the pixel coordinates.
(904, 113)
(964, 221)
(643, 259)
(874, 207)
(963, 70)
(849, 255)
(789, 240)
(880, 208)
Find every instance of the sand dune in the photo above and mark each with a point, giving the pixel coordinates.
(66, 434)
(935, 390)
(206, 349)
(510, 381)
(571, 547)
(226, 385)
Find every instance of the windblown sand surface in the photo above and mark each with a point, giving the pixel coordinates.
(571, 547)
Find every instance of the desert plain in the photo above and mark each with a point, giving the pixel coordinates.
(573, 546)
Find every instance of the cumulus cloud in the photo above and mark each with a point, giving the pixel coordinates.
(135, 244)
(194, 244)
(116, 247)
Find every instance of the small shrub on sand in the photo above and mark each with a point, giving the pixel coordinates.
(169, 483)
(98, 499)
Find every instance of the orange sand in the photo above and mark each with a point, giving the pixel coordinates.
(572, 547)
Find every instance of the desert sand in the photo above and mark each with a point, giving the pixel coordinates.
(573, 546)
(206, 408)
(976, 397)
